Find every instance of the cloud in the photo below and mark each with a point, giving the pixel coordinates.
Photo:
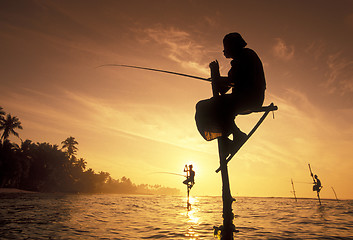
(154, 122)
(67, 111)
(317, 49)
(340, 74)
(180, 47)
(282, 51)
(301, 133)
(334, 70)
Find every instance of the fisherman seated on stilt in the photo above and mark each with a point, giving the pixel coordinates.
(317, 184)
(215, 116)
(190, 176)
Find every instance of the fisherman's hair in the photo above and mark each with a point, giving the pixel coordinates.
(234, 40)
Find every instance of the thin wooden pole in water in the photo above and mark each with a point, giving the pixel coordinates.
(228, 216)
(295, 197)
(318, 197)
(334, 193)
(188, 205)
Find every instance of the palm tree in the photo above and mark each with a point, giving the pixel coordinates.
(69, 144)
(2, 114)
(8, 125)
(81, 163)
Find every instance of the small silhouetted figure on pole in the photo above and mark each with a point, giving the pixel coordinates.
(317, 184)
(189, 182)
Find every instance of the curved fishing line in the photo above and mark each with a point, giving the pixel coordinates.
(303, 182)
(177, 174)
(157, 70)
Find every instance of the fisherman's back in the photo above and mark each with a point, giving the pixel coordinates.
(248, 77)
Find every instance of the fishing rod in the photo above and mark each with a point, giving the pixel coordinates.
(157, 70)
(303, 182)
(311, 173)
(177, 174)
(188, 186)
(230, 85)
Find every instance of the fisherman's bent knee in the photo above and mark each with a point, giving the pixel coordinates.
(203, 104)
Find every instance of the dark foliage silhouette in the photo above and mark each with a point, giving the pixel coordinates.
(45, 167)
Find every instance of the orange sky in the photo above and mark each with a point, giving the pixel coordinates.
(134, 123)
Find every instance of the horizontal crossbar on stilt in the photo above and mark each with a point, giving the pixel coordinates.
(266, 110)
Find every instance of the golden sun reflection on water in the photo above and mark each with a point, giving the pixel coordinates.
(192, 218)
(191, 234)
(193, 221)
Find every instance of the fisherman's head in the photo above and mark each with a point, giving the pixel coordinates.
(315, 176)
(190, 166)
(233, 43)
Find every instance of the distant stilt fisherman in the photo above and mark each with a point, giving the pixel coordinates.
(190, 176)
(317, 184)
(189, 182)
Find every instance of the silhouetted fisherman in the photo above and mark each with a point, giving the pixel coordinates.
(189, 182)
(215, 116)
(190, 176)
(317, 184)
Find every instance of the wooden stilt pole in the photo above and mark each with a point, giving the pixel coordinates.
(228, 216)
(228, 227)
(334, 193)
(295, 196)
(188, 205)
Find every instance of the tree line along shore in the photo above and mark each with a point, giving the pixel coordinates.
(45, 167)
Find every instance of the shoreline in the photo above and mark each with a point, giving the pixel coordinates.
(14, 190)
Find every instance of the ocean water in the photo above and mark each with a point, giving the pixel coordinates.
(105, 216)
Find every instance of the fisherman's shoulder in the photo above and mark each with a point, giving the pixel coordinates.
(248, 52)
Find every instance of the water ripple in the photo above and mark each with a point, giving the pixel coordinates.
(62, 216)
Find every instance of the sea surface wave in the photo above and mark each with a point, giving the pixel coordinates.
(114, 216)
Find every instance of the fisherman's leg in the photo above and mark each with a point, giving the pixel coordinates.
(207, 118)
(201, 116)
(236, 136)
(238, 103)
(236, 132)
(229, 114)
(238, 139)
